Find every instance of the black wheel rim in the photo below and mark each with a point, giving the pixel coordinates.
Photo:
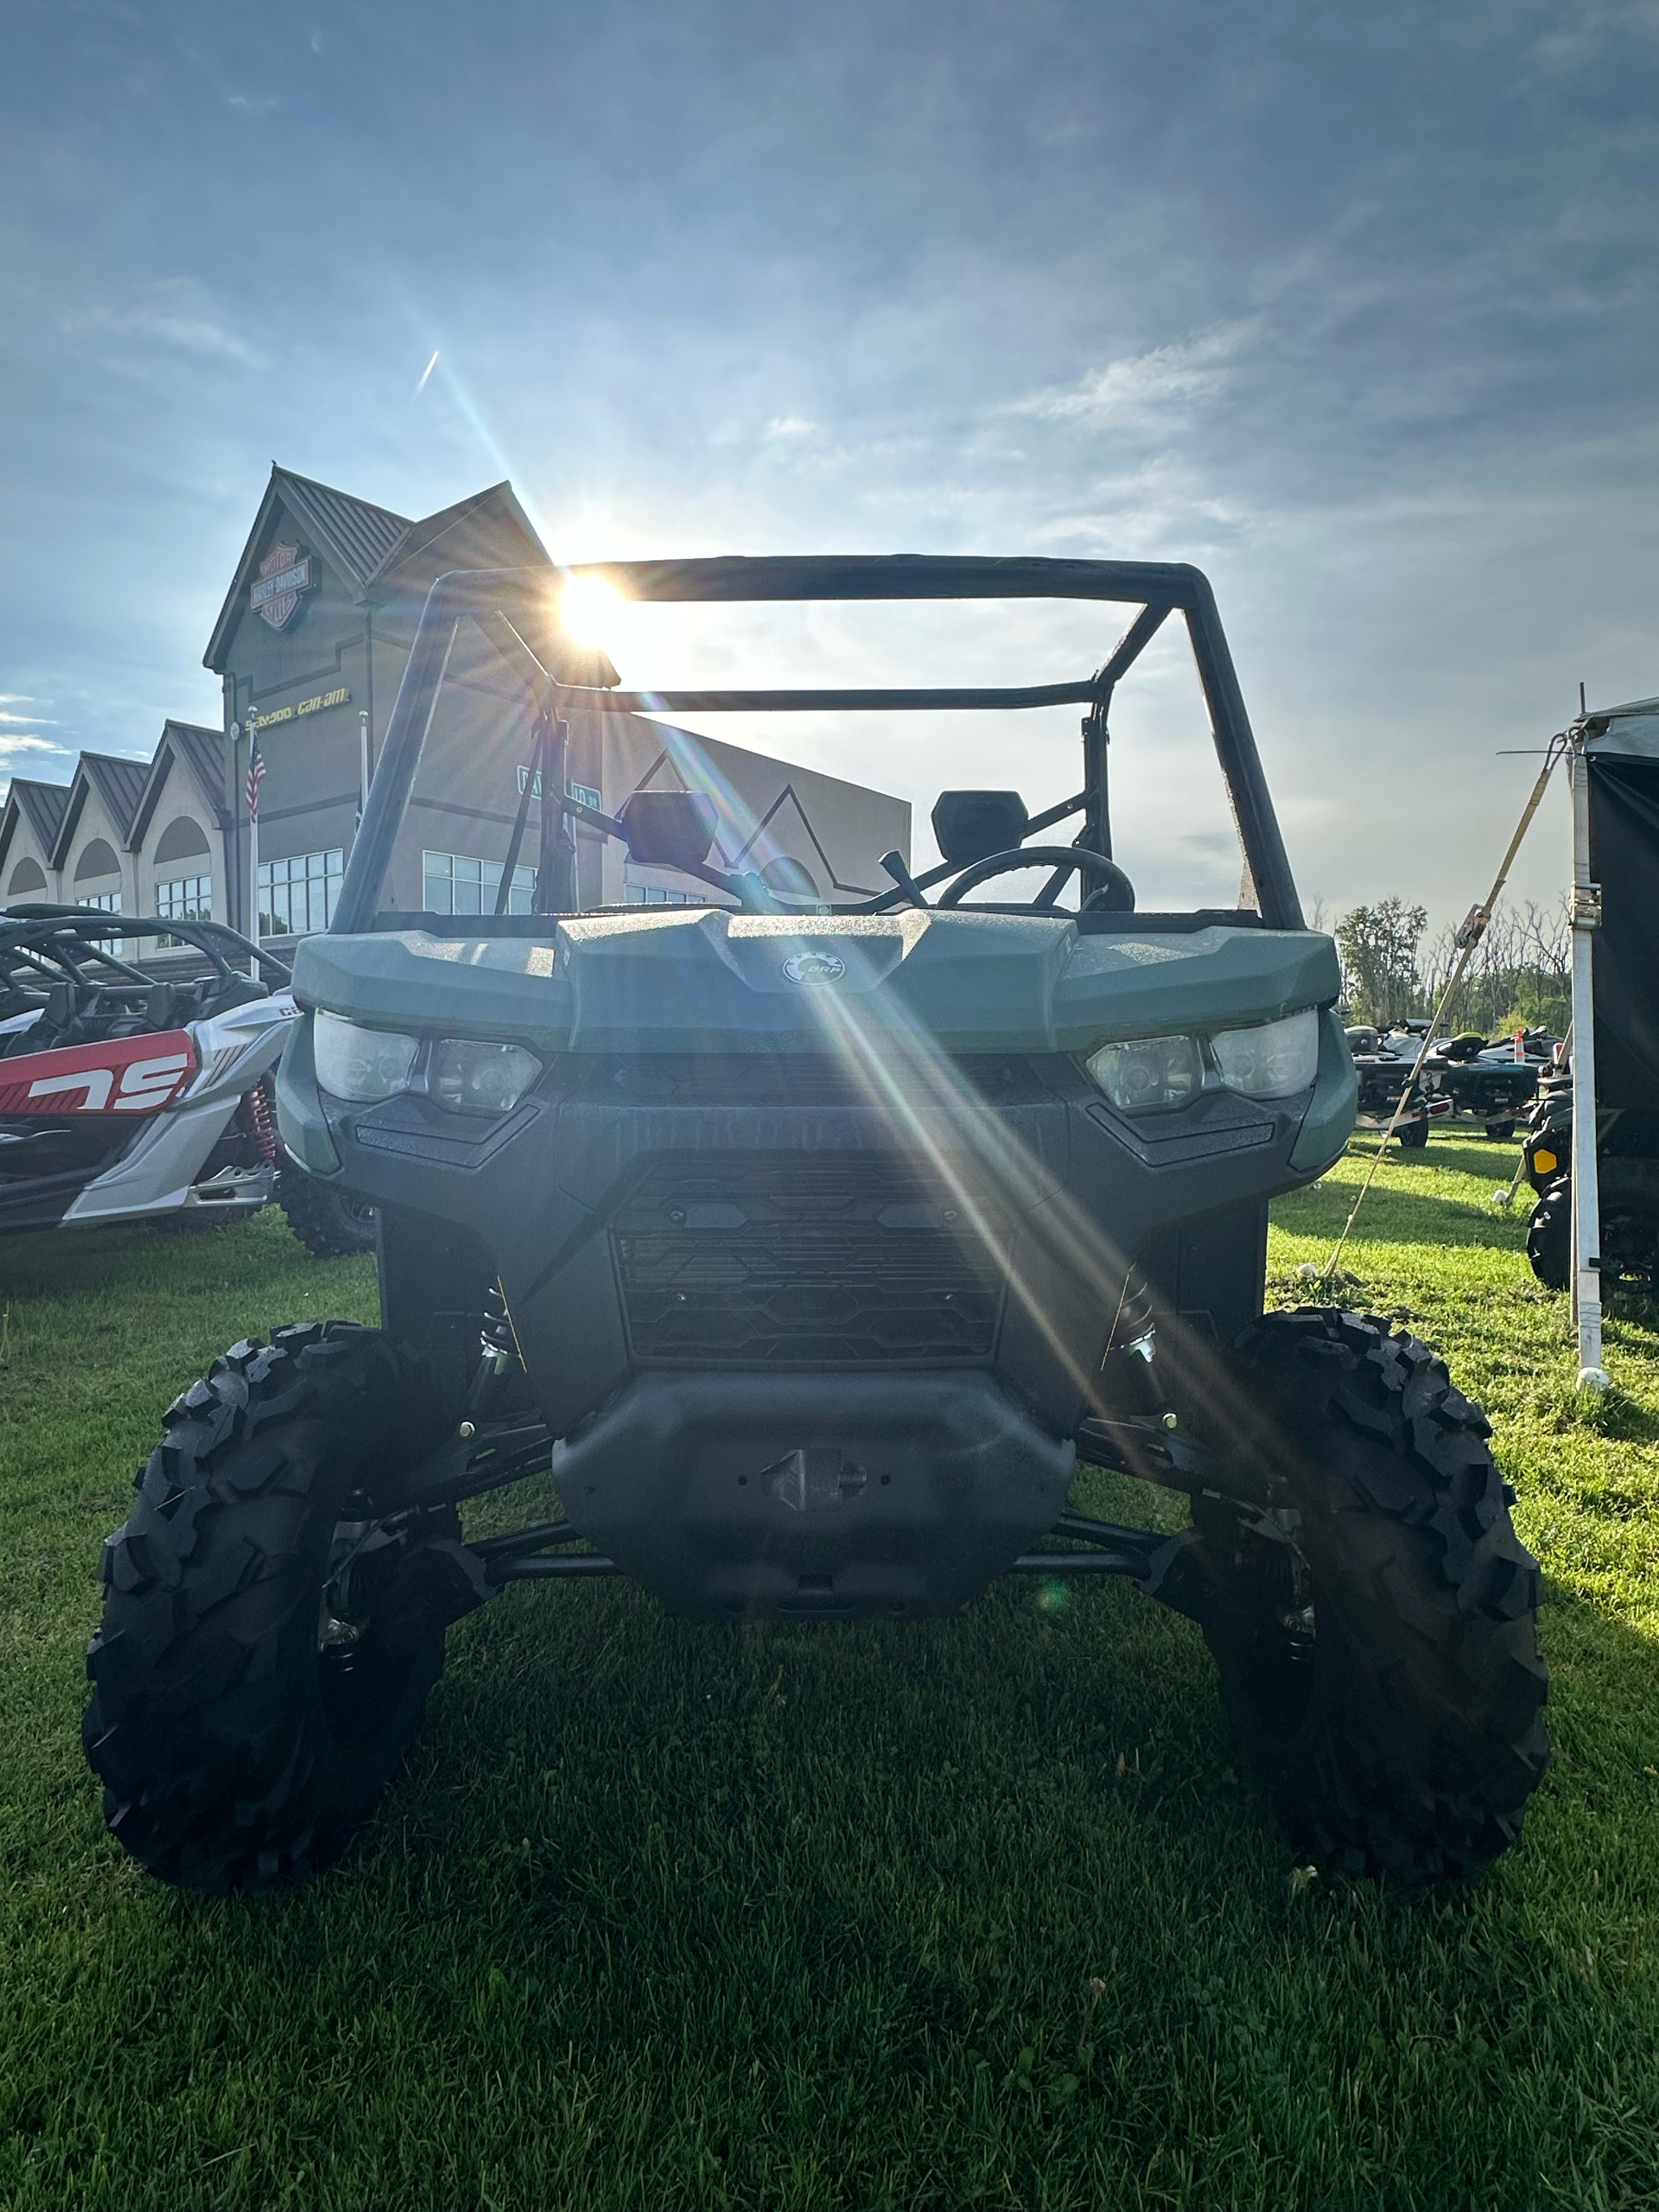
(360, 1676)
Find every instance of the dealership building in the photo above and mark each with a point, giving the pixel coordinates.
(309, 647)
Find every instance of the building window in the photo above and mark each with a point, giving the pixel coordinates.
(455, 883)
(186, 899)
(652, 894)
(296, 896)
(107, 902)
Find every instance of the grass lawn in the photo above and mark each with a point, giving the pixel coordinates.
(977, 1912)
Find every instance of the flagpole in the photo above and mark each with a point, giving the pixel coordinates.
(253, 839)
(230, 844)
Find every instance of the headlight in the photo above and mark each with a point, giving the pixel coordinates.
(360, 1064)
(1148, 1072)
(471, 1078)
(1272, 1060)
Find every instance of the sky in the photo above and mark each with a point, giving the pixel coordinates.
(1355, 308)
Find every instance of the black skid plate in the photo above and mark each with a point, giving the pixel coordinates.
(813, 1496)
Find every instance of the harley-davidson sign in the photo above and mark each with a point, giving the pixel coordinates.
(285, 574)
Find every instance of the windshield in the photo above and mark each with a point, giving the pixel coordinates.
(546, 721)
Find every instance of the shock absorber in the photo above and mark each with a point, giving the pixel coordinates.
(262, 1122)
(1133, 1327)
(497, 1341)
(499, 1379)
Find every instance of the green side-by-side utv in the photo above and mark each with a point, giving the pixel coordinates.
(814, 1249)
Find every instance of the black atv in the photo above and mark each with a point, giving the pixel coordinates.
(1628, 1172)
(812, 1249)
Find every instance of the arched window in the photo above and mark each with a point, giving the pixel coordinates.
(97, 859)
(26, 876)
(181, 838)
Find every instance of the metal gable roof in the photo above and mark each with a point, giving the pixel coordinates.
(119, 783)
(354, 536)
(42, 805)
(360, 535)
(486, 511)
(368, 545)
(200, 752)
(39, 804)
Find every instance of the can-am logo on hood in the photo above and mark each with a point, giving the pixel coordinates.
(814, 968)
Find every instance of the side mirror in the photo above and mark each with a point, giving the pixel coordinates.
(669, 829)
(972, 825)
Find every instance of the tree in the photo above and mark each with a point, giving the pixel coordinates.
(1519, 977)
(1378, 946)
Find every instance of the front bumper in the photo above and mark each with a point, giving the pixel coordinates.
(780, 1213)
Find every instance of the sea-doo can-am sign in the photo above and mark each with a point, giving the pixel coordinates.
(126, 1075)
(285, 574)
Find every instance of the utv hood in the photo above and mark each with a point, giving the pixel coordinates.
(707, 980)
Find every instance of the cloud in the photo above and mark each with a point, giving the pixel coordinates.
(1147, 391)
(790, 426)
(174, 313)
(1148, 510)
(11, 747)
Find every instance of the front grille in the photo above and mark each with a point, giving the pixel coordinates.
(850, 1260)
(998, 1080)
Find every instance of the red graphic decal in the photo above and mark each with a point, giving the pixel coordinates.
(128, 1075)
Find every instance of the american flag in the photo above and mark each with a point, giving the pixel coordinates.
(256, 776)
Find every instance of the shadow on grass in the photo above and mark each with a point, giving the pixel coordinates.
(1452, 1155)
(57, 1262)
(1391, 1215)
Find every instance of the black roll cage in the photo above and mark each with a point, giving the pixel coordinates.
(488, 596)
(41, 945)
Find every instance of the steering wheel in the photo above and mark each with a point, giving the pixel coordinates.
(1116, 894)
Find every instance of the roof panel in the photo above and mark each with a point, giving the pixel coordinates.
(202, 751)
(119, 782)
(42, 805)
(482, 531)
(362, 534)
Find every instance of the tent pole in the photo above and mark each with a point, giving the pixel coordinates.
(1587, 1194)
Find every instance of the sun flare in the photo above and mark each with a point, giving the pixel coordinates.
(589, 608)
